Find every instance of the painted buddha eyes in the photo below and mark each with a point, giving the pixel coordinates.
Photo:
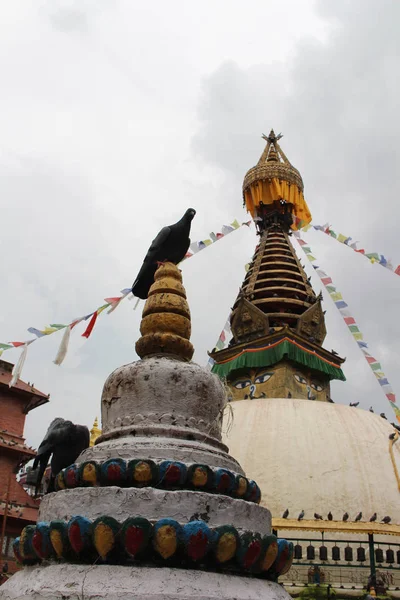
(316, 386)
(240, 385)
(263, 378)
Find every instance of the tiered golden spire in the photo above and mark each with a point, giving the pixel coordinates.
(166, 325)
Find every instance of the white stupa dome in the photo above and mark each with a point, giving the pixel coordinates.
(317, 457)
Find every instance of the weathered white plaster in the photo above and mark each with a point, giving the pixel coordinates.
(154, 504)
(163, 391)
(85, 582)
(316, 456)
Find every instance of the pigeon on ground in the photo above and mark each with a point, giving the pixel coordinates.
(373, 518)
(301, 516)
(371, 409)
(358, 517)
(171, 244)
(285, 514)
(330, 516)
(386, 520)
(354, 404)
(65, 441)
(345, 516)
(317, 516)
(383, 416)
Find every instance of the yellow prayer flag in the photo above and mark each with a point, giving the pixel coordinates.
(235, 224)
(336, 296)
(307, 227)
(49, 330)
(207, 242)
(357, 336)
(341, 238)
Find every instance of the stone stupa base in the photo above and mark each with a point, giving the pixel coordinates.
(74, 582)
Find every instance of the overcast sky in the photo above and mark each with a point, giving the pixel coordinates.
(116, 116)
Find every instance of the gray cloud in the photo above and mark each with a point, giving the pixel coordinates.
(98, 151)
(336, 102)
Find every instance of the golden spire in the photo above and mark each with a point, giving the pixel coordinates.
(95, 432)
(166, 325)
(272, 180)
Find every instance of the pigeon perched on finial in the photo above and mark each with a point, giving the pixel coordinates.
(386, 520)
(358, 517)
(65, 441)
(330, 516)
(317, 516)
(371, 409)
(171, 244)
(354, 404)
(383, 416)
(373, 518)
(345, 516)
(285, 514)
(301, 516)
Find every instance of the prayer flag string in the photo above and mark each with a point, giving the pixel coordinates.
(352, 326)
(111, 304)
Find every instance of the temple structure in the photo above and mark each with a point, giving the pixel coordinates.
(17, 508)
(328, 473)
(277, 321)
(157, 508)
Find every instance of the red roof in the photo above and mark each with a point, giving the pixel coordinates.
(38, 398)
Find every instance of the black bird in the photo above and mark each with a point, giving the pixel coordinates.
(171, 244)
(285, 514)
(65, 441)
(317, 516)
(301, 516)
(345, 516)
(330, 516)
(354, 404)
(358, 517)
(392, 436)
(334, 353)
(383, 416)
(386, 520)
(373, 518)
(395, 426)
(289, 394)
(371, 409)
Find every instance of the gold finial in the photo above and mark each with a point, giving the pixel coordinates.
(165, 325)
(95, 432)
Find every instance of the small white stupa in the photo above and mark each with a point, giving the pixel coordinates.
(157, 508)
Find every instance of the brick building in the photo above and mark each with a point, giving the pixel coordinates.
(17, 508)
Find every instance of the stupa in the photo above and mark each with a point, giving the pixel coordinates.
(157, 508)
(328, 473)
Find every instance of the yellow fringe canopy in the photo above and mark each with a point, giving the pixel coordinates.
(275, 179)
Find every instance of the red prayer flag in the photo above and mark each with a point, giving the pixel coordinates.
(89, 328)
(361, 251)
(391, 398)
(349, 321)
(113, 300)
(222, 337)
(371, 359)
(17, 344)
(326, 280)
(397, 270)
